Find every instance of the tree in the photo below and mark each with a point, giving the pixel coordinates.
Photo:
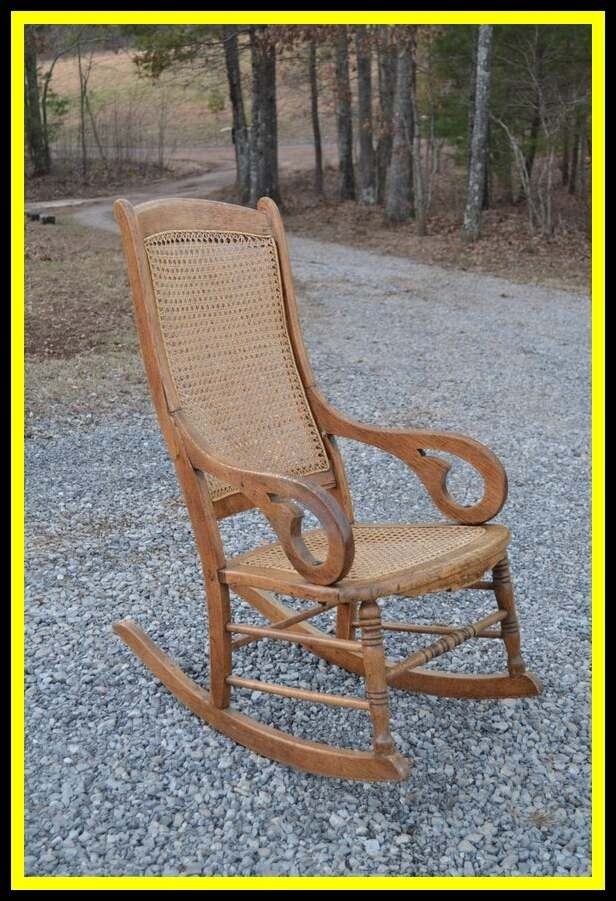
(314, 113)
(485, 200)
(398, 202)
(263, 128)
(386, 52)
(418, 176)
(241, 134)
(367, 159)
(476, 170)
(346, 173)
(84, 70)
(536, 55)
(39, 153)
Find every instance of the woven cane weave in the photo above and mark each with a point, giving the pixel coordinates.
(379, 550)
(221, 309)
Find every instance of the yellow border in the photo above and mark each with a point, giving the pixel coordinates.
(597, 880)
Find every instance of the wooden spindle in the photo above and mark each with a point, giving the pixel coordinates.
(375, 675)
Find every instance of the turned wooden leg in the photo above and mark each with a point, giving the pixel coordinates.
(375, 675)
(219, 615)
(503, 589)
(345, 616)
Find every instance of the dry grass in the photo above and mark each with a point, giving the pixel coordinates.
(66, 179)
(81, 347)
(193, 118)
(76, 291)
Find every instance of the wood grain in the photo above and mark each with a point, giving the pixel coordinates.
(410, 446)
(282, 498)
(310, 756)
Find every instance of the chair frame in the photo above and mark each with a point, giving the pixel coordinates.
(327, 496)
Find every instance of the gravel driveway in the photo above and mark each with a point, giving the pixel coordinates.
(122, 779)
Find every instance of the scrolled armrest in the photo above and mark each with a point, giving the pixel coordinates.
(411, 445)
(279, 498)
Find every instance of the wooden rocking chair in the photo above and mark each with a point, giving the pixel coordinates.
(246, 427)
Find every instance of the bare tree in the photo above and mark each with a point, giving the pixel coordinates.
(314, 112)
(84, 69)
(398, 200)
(39, 152)
(346, 184)
(367, 158)
(576, 150)
(386, 51)
(241, 135)
(535, 64)
(476, 170)
(264, 130)
(419, 188)
(566, 153)
(485, 199)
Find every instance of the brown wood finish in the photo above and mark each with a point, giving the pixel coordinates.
(503, 589)
(452, 571)
(294, 637)
(373, 654)
(311, 756)
(315, 697)
(285, 623)
(436, 629)
(329, 582)
(448, 642)
(277, 496)
(471, 686)
(269, 606)
(410, 446)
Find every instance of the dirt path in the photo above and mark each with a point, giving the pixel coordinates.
(96, 212)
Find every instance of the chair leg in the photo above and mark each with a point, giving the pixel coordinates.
(219, 616)
(503, 589)
(373, 651)
(345, 616)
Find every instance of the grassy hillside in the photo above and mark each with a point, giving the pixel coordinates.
(188, 108)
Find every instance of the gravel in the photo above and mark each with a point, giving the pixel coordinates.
(122, 779)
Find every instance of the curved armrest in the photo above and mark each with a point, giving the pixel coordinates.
(410, 446)
(277, 496)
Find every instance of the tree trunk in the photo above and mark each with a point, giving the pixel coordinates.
(532, 141)
(367, 159)
(314, 112)
(387, 86)
(398, 202)
(264, 131)
(83, 87)
(575, 153)
(564, 161)
(417, 165)
(503, 167)
(485, 198)
(241, 134)
(476, 174)
(45, 126)
(535, 125)
(346, 174)
(34, 128)
(487, 172)
(97, 140)
(472, 87)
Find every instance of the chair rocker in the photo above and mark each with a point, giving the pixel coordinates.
(246, 427)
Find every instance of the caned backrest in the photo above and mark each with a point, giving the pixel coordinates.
(220, 316)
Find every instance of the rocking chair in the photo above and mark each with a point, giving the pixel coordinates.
(246, 427)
